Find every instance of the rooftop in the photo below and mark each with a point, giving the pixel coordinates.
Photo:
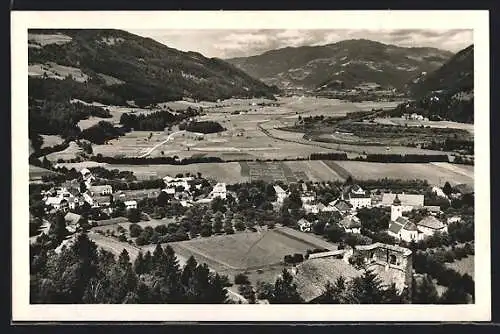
(431, 222)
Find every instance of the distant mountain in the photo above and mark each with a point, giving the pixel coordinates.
(114, 66)
(345, 64)
(455, 76)
(446, 93)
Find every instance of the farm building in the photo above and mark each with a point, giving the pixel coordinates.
(430, 225)
(357, 197)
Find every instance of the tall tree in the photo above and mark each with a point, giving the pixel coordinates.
(285, 290)
(367, 288)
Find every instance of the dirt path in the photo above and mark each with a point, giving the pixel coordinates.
(170, 136)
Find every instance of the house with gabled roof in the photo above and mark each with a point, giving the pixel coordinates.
(430, 225)
(342, 206)
(351, 224)
(281, 194)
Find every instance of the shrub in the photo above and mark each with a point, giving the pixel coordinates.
(241, 279)
(135, 230)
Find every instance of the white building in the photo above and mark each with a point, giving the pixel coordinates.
(310, 208)
(439, 192)
(219, 190)
(280, 194)
(130, 204)
(307, 197)
(304, 225)
(101, 190)
(403, 229)
(58, 203)
(169, 191)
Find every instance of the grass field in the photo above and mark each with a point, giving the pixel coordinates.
(257, 254)
(51, 140)
(69, 153)
(463, 266)
(433, 173)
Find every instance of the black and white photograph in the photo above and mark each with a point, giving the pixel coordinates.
(249, 161)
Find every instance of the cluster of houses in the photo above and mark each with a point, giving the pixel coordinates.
(414, 117)
(71, 195)
(353, 197)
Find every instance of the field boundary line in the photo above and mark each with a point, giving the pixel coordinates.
(332, 170)
(296, 238)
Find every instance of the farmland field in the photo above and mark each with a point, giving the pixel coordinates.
(463, 266)
(37, 172)
(433, 173)
(249, 251)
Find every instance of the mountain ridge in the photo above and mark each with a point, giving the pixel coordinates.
(113, 65)
(352, 62)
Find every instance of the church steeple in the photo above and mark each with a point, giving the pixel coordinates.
(396, 201)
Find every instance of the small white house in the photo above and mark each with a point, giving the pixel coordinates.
(219, 190)
(304, 225)
(130, 204)
(280, 194)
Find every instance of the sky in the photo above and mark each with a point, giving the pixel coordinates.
(243, 43)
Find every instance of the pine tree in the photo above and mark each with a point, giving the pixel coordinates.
(285, 291)
(148, 262)
(367, 289)
(57, 230)
(139, 265)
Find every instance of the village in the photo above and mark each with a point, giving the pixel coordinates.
(331, 221)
